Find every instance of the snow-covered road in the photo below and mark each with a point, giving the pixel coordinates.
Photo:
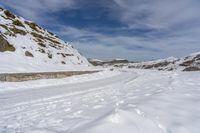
(116, 102)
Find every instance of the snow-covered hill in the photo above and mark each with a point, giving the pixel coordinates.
(25, 46)
(188, 63)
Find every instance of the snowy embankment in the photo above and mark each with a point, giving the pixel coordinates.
(19, 77)
(138, 101)
(23, 64)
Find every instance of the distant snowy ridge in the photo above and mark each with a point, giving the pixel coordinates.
(188, 63)
(25, 46)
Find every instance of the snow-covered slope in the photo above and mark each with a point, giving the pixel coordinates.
(25, 46)
(188, 63)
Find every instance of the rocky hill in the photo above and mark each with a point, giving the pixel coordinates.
(25, 46)
(188, 63)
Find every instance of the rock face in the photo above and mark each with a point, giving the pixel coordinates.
(18, 36)
(5, 46)
(27, 53)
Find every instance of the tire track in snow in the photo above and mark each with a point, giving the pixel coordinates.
(37, 106)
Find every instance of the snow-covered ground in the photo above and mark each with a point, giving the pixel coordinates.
(128, 101)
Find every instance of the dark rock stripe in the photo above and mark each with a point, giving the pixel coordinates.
(18, 77)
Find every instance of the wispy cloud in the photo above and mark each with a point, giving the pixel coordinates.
(135, 48)
(155, 13)
(134, 29)
(37, 9)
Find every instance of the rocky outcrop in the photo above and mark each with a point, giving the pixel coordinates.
(27, 39)
(192, 68)
(29, 54)
(188, 63)
(5, 45)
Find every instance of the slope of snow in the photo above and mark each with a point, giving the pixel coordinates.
(141, 101)
(12, 63)
(49, 52)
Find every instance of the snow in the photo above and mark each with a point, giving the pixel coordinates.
(12, 62)
(120, 101)
(27, 64)
(119, 59)
(96, 60)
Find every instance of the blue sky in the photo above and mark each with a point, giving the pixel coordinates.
(106, 29)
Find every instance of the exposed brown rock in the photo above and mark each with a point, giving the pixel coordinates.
(54, 41)
(63, 62)
(9, 14)
(8, 32)
(18, 31)
(32, 25)
(4, 26)
(156, 65)
(50, 33)
(192, 68)
(50, 55)
(5, 45)
(41, 44)
(64, 54)
(29, 54)
(53, 45)
(187, 63)
(18, 23)
(36, 35)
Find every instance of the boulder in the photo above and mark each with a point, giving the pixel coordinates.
(5, 45)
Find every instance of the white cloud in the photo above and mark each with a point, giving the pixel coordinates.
(156, 13)
(133, 48)
(36, 9)
(175, 25)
